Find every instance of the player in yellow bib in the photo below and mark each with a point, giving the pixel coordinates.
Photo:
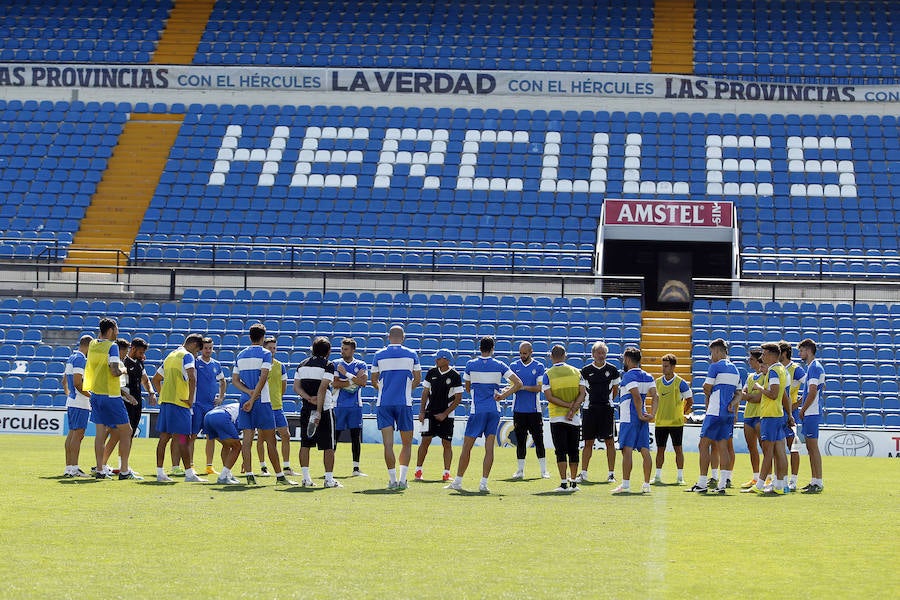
(565, 390)
(795, 376)
(774, 404)
(754, 385)
(675, 400)
(277, 387)
(176, 384)
(101, 378)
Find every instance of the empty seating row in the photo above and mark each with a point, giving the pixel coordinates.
(121, 31)
(511, 34)
(805, 41)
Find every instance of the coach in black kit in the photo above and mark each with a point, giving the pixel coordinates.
(442, 394)
(598, 413)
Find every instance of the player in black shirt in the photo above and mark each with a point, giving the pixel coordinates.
(442, 393)
(137, 378)
(314, 376)
(598, 413)
(131, 392)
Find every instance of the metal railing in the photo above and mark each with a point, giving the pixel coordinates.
(168, 283)
(797, 290)
(351, 256)
(822, 266)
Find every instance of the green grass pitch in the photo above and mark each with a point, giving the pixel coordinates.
(108, 539)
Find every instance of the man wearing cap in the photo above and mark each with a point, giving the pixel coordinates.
(442, 393)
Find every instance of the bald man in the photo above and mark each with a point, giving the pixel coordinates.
(395, 373)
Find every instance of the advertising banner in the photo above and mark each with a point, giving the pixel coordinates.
(428, 82)
(688, 213)
(26, 420)
(832, 441)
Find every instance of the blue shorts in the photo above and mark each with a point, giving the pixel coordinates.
(174, 419)
(810, 426)
(348, 417)
(771, 429)
(751, 422)
(78, 417)
(260, 416)
(484, 423)
(396, 416)
(219, 426)
(717, 427)
(280, 419)
(788, 431)
(93, 402)
(198, 413)
(108, 410)
(634, 435)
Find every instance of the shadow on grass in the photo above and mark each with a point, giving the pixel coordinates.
(219, 487)
(299, 489)
(522, 479)
(476, 494)
(380, 492)
(158, 483)
(554, 493)
(590, 483)
(77, 481)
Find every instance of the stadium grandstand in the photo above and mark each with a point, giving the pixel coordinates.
(650, 173)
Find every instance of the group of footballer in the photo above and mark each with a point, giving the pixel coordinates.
(105, 376)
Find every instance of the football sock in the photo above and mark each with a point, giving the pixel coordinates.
(446, 471)
(659, 473)
(329, 476)
(794, 479)
(541, 461)
(356, 465)
(725, 476)
(715, 473)
(755, 476)
(160, 472)
(610, 474)
(702, 480)
(403, 470)
(392, 475)
(226, 473)
(484, 481)
(521, 463)
(262, 466)
(279, 474)
(626, 484)
(286, 464)
(305, 471)
(458, 480)
(680, 474)
(189, 472)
